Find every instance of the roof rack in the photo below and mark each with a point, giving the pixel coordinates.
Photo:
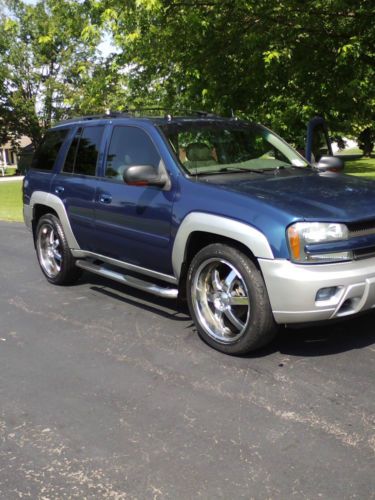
(111, 114)
(167, 112)
(128, 112)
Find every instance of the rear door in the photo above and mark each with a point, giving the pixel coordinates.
(77, 181)
(133, 222)
(45, 161)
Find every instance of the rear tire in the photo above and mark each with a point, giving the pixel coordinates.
(53, 252)
(228, 300)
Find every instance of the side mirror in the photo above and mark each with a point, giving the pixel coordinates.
(330, 164)
(144, 175)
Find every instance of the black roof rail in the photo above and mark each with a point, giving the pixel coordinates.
(111, 114)
(128, 112)
(170, 112)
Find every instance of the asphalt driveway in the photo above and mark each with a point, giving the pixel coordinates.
(106, 392)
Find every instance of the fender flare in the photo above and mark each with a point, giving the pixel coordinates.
(252, 238)
(54, 202)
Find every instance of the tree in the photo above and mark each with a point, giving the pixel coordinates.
(47, 52)
(366, 141)
(279, 62)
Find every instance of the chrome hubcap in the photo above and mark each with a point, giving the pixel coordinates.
(221, 300)
(49, 250)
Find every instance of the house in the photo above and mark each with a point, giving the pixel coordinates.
(9, 152)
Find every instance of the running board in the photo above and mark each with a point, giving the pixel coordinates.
(146, 286)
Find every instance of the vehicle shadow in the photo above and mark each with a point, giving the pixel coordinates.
(318, 340)
(324, 339)
(174, 309)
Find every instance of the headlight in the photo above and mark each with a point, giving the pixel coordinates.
(310, 233)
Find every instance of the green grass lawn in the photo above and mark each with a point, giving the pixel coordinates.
(10, 171)
(363, 167)
(350, 152)
(11, 201)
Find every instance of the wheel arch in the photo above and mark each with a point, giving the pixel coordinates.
(42, 203)
(38, 211)
(200, 229)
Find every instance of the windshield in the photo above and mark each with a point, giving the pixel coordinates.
(213, 147)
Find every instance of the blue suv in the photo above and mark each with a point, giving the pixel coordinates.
(219, 211)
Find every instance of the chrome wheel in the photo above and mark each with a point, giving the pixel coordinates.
(49, 250)
(220, 300)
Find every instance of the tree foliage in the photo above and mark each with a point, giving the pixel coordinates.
(47, 53)
(278, 62)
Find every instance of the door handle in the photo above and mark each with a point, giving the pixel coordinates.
(59, 189)
(105, 198)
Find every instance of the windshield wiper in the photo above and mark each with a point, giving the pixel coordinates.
(241, 169)
(281, 167)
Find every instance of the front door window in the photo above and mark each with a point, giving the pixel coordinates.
(129, 146)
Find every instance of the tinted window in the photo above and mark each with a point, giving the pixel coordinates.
(71, 156)
(45, 156)
(213, 147)
(87, 154)
(129, 146)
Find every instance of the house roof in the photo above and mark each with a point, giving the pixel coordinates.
(22, 142)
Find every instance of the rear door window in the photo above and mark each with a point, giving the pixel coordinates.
(83, 154)
(45, 156)
(72, 153)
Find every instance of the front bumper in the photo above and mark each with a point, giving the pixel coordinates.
(292, 289)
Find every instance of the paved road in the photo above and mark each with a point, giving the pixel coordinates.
(108, 393)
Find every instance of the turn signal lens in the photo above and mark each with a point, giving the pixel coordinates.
(294, 242)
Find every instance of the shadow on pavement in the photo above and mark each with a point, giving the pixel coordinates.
(319, 340)
(325, 339)
(176, 310)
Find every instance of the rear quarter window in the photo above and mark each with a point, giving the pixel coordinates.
(45, 156)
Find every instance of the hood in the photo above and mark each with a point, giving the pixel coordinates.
(306, 194)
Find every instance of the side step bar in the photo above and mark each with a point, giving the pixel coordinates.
(146, 286)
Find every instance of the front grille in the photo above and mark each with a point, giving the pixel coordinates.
(364, 253)
(363, 228)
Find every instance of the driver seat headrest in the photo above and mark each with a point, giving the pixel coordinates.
(198, 151)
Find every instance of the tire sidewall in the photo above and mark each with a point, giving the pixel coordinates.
(261, 327)
(54, 222)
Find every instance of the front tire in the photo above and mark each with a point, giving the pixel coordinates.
(54, 255)
(228, 300)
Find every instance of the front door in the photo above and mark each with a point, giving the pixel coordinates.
(133, 223)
